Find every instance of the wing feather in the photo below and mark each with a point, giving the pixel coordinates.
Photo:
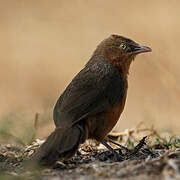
(93, 90)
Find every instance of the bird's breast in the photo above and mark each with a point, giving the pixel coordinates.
(101, 124)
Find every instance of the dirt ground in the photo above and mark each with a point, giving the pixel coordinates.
(45, 43)
(150, 157)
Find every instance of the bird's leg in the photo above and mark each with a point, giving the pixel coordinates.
(116, 155)
(117, 144)
(131, 152)
(139, 146)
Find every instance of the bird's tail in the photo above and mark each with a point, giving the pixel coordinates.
(61, 144)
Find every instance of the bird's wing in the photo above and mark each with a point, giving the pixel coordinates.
(90, 92)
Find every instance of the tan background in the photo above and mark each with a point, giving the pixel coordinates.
(44, 43)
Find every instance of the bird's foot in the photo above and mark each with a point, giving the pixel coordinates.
(118, 156)
(138, 147)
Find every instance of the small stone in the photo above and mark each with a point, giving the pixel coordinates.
(2, 158)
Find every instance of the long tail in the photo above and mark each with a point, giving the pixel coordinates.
(61, 144)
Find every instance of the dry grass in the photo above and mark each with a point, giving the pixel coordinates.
(158, 157)
(44, 44)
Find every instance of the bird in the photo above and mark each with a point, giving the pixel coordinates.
(92, 103)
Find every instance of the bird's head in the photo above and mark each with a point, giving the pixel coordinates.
(120, 51)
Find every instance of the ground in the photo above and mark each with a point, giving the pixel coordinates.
(155, 156)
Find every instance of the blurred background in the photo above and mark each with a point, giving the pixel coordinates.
(45, 43)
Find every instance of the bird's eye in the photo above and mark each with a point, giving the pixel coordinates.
(123, 46)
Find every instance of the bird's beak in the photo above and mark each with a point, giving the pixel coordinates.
(141, 49)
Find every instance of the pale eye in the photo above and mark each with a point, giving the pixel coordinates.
(123, 46)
